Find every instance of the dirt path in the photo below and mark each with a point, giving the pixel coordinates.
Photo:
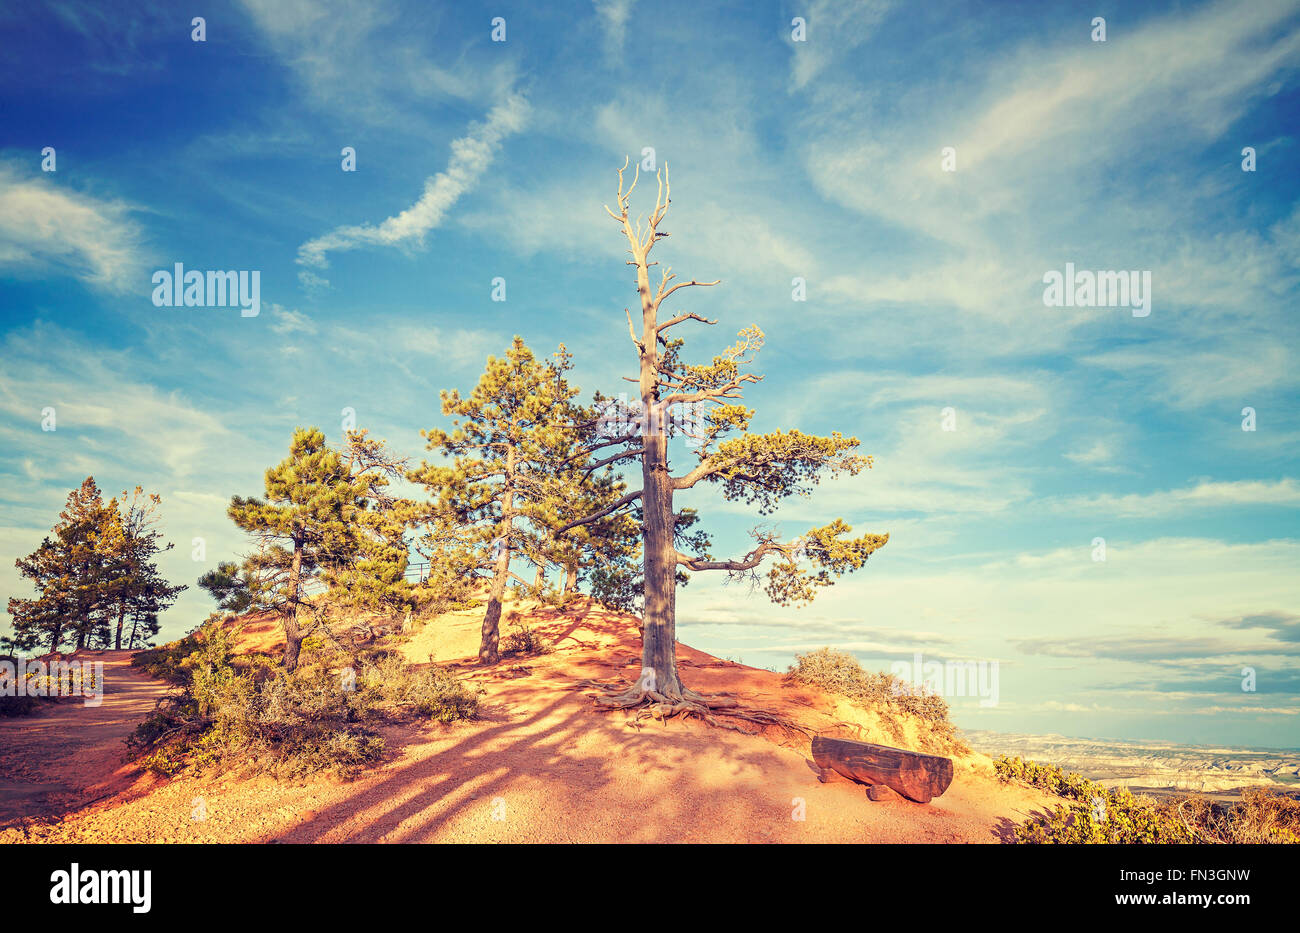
(70, 753)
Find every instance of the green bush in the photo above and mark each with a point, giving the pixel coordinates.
(1096, 814)
(888, 695)
(259, 715)
(164, 662)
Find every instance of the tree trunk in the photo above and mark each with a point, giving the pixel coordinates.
(659, 628)
(659, 625)
(541, 577)
(488, 651)
(571, 580)
(915, 775)
(292, 633)
(121, 619)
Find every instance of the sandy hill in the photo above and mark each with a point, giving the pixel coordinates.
(541, 764)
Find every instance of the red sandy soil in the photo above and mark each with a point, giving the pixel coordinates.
(70, 753)
(541, 764)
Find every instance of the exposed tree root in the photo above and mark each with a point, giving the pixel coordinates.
(652, 704)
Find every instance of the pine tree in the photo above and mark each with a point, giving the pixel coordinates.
(453, 555)
(134, 586)
(375, 578)
(318, 524)
(94, 572)
(516, 422)
(71, 572)
(42, 620)
(699, 403)
(604, 553)
(234, 586)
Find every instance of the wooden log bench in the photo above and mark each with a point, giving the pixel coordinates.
(915, 775)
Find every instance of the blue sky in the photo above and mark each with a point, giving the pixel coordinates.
(818, 159)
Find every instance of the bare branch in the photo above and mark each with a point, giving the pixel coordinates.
(686, 285)
(631, 331)
(679, 319)
(730, 390)
(703, 471)
(748, 562)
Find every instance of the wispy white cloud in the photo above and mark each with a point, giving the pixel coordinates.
(45, 227)
(833, 29)
(943, 445)
(471, 155)
(1025, 133)
(1250, 710)
(377, 61)
(1098, 456)
(1205, 495)
(95, 393)
(614, 15)
(1162, 647)
(288, 321)
(1191, 379)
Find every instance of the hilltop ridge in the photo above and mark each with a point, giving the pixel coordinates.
(542, 764)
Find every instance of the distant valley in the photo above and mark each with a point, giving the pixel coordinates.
(1153, 767)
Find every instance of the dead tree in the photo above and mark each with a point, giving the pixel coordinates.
(699, 404)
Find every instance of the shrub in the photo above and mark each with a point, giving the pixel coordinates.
(164, 662)
(309, 720)
(888, 695)
(37, 689)
(18, 705)
(1096, 814)
(1265, 816)
(521, 640)
(432, 692)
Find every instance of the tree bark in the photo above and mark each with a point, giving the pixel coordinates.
(541, 577)
(571, 580)
(292, 633)
(121, 619)
(488, 650)
(659, 625)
